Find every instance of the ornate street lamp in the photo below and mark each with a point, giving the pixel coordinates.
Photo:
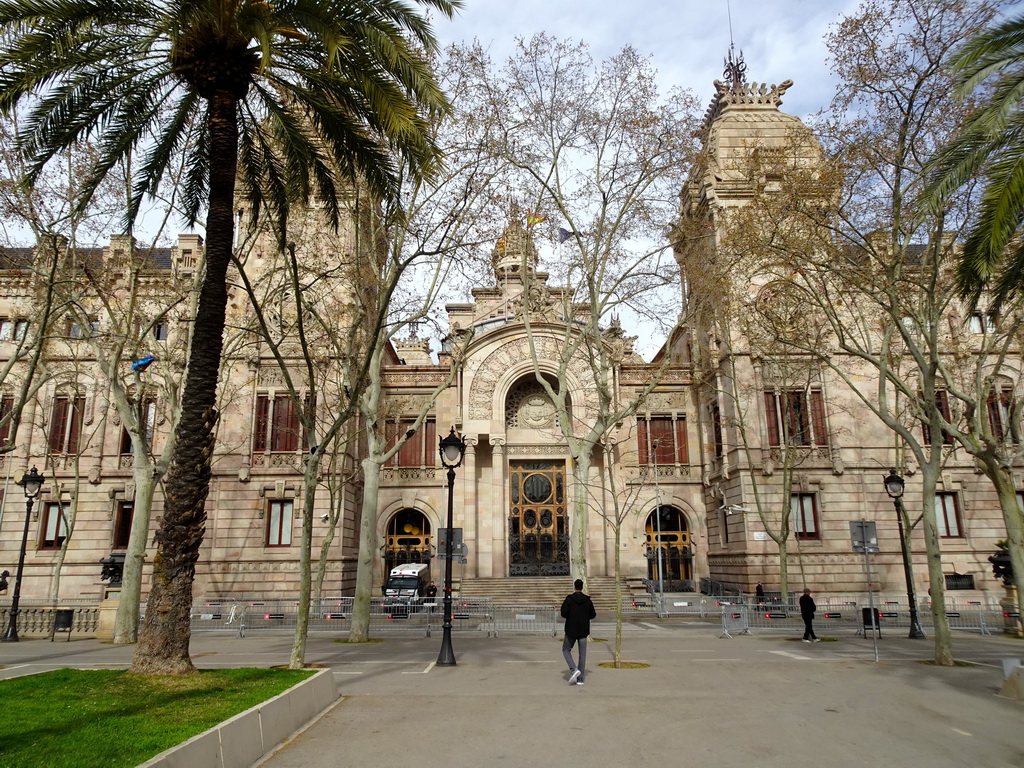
(30, 482)
(452, 449)
(894, 487)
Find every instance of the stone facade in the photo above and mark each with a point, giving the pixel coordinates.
(680, 464)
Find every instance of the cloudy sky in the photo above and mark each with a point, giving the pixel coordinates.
(686, 39)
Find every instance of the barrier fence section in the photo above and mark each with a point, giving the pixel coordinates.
(524, 619)
(735, 620)
(672, 605)
(836, 613)
(334, 614)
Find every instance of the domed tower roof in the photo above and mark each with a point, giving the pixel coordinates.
(508, 255)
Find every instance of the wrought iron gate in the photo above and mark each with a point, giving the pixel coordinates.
(537, 530)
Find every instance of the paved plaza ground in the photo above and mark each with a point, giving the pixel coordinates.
(760, 700)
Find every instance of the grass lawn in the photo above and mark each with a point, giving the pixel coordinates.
(111, 719)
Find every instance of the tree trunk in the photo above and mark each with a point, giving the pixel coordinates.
(298, 657)
(784, 570)
(618, 593)
(937, 587)
(163, 645)
(360, 629)
(126, 622)
(581, 508)
(1013, 517)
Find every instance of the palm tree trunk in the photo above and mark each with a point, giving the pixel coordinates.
(163, 646)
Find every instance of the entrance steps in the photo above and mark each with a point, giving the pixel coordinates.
(543, 590)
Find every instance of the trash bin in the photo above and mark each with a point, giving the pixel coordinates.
(63, 618)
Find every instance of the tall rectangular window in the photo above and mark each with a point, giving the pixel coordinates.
(981, 322)
(795, 417)
(942, 403)
(419, 450)
(661, 440)
(279, 524)
(1000, 413)
(6, 407)
(804, 520)
(148, 415)
(947, 515)
(123, 524)
(77, 330)
(717, 443)
(276, 426)
(66, 422)
(54, 528)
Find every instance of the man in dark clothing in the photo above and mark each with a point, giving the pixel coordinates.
(807, 609)
(577, 610)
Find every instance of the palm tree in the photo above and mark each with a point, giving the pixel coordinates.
(293, 98)
(991, 143)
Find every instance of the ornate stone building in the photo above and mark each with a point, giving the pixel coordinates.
(686, 465)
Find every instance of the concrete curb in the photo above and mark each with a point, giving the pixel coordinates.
(248, 736)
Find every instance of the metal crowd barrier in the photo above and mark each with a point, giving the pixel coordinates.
(735, 619)
(510, 619)
(334, 614)
(841, 613)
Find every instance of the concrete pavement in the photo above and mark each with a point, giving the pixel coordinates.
(760, 700)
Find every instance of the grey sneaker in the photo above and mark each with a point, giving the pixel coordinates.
(807, 641)
(580, 681)
(816, 640)
(574, 677)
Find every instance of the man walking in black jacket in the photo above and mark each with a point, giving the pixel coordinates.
(577, 610)
(807, 609)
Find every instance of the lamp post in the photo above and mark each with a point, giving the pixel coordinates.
(30, 482)
(452, 449)
(894, 487)
(657, 531)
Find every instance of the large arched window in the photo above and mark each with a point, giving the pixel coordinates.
(408, 539)
(668, 545)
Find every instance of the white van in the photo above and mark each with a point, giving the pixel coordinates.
(407, 583)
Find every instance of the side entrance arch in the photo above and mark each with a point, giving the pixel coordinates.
(668, 536)
(408, 539)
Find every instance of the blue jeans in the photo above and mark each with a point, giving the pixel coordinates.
(567, 645)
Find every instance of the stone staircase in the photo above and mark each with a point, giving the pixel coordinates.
(542, 590)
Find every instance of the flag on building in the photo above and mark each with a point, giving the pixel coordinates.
(144, 363)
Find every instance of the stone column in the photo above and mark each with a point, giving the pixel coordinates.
(469, 510)
(498, 514)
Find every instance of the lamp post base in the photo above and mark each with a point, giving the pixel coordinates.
(446, 658)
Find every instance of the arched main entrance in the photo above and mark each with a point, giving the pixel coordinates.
(673, 544)
(407, 539)
(537, 532)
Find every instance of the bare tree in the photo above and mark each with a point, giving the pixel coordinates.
(597, 157)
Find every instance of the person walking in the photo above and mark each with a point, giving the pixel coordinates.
(807, 609)
(759, 592)
(577, 610)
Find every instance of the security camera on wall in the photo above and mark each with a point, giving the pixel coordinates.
(324, 518)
